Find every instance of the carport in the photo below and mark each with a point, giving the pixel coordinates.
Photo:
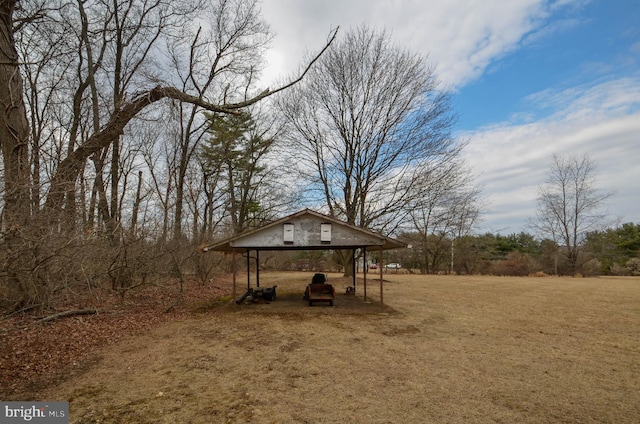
(306, 230)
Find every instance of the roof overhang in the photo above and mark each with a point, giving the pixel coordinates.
(269, 237)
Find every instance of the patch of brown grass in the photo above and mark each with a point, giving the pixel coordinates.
(32, 353)
(443, 349)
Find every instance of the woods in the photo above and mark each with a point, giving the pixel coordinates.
(136, 136)
(134, 131)
(99, 141)
(148, 173)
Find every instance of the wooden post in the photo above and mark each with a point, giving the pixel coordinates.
(354, 268)
(366, 269)
(233, 271)
(248, 269)
(381, 279)
(257, 268)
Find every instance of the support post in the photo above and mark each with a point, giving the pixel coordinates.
(233, 271)
(381, 279)
(248, 269)
(354, 267)
(257, 268)
(365, 271)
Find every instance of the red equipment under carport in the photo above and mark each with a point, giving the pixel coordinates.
(320, 291)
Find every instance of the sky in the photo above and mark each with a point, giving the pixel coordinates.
(528, 78)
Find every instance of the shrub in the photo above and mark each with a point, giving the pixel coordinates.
(633, 265)
(516, 264)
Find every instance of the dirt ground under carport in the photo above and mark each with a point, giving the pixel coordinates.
(443, 349)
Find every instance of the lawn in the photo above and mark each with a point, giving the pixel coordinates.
(442, 349)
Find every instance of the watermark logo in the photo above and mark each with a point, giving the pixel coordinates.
(34, 412)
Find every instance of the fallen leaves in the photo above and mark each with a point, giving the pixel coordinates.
(36, 352)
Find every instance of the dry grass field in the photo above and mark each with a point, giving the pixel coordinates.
(442, 349)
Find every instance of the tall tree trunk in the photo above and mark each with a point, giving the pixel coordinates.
(182, 171)
(115, 179)
(14, 126)
(14, 137)
(136, 205)
(35, 176)
(103, 205)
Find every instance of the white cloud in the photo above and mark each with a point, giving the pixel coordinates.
(602, 121)
(618, 96)
(461, 37)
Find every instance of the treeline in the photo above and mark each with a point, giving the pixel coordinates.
(613, 251)
(128, 138)
(134, 131)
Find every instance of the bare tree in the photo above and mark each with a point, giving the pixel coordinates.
(228, 48)
(570, 204)
(365, 125)
(447, 209)
(44, 76)
(119, 80)
(363, 128)
(14, 126)
(128, 105)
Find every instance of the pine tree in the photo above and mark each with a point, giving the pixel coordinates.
(233, 152)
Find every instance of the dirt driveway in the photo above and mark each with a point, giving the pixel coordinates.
(444, 350)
